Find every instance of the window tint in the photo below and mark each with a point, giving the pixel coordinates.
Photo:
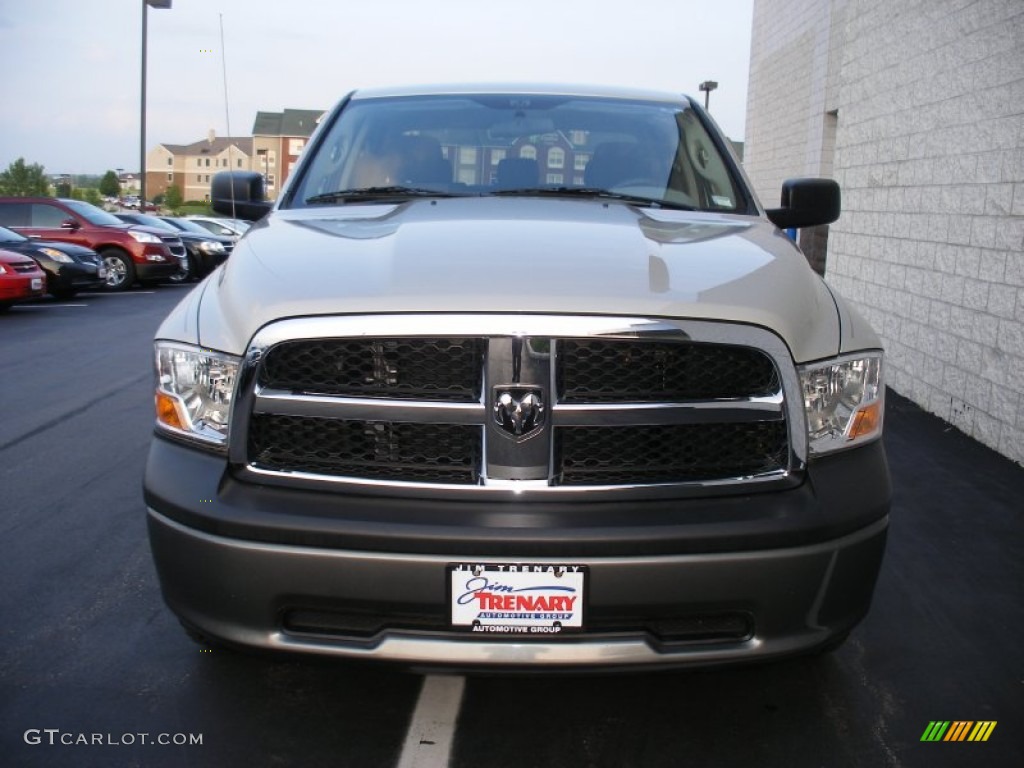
(14, 214)
(481, 143)
(48, 215)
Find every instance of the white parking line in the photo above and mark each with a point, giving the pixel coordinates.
(126, 293)
(48, 306)
(428, 742)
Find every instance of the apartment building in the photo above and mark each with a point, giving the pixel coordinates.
(278, 140)
(191, 166)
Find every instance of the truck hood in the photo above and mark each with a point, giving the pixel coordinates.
(513, 255)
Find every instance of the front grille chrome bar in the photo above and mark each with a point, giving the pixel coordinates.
(542, 335)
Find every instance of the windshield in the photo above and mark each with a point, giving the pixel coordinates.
(220, 229)
(184, 225)
(8, 236)
(658, 152)
(92, 214)
(144, 220)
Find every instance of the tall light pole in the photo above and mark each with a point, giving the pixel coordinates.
(146, 4)
(707, 86)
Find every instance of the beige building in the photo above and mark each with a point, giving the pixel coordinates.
(191, 166)
(914, 107)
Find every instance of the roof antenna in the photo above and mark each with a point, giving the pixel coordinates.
(227, 112)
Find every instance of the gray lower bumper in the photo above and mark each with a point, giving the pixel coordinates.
(241, 591)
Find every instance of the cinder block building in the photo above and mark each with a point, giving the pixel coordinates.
(916, 108)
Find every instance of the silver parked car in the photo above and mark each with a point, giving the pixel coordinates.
(219, 226)
(519, 378)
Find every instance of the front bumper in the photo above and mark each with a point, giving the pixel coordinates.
(78, 277)
(156, 270)
(19, 287)
(207, 262)
(309, 572)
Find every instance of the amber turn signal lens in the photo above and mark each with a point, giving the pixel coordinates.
(167, 411)
(867, 421)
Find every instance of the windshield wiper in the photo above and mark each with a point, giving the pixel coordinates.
(365, 194)
(590, 192)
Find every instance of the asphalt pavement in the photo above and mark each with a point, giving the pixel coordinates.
(94, 671)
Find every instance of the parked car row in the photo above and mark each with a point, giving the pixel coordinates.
(69, 268)
(132, 202)
(77, 246)
(204, 251)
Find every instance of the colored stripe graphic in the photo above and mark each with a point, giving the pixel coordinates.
(982, 730)
(958, 730)
(935, 731)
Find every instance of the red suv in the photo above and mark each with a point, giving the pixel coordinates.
(130, 253)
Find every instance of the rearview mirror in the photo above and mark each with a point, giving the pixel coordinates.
(69, 224)
(806, 203)
(521, 126)
(239, 194)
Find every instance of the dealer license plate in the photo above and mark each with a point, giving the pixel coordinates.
(37, 283)
(517, 598)
(101, 273)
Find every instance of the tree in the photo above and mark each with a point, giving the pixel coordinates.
(21, 180)
(110, 186)
(173, 198)
(92, 195)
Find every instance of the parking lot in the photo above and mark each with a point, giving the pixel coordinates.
(88, 649)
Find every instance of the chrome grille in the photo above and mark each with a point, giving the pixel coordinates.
(667, 454)
(629, 370)
(620, 404)
(174, 244)
(427, 369)
(435, 453)
(22, 266)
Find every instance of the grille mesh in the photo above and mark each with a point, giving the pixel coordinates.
(449, 369)
(663, 454)
(605, 371)
(616, 370)
(440, 453)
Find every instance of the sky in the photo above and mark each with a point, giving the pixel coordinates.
(71, 69)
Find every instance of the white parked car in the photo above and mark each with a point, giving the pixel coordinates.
(222, 227)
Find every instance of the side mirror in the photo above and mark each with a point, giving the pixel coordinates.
(239, 194)
(806, 203)
(70, 224)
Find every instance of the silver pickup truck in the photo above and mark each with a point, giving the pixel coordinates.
(518, 377)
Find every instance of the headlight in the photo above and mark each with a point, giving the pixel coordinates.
(143, 237)
(844, 400)
(211, 246)
(193, 391)
(56, 255)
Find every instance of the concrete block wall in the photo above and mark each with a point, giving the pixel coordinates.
(789, 92)
(929, 152)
